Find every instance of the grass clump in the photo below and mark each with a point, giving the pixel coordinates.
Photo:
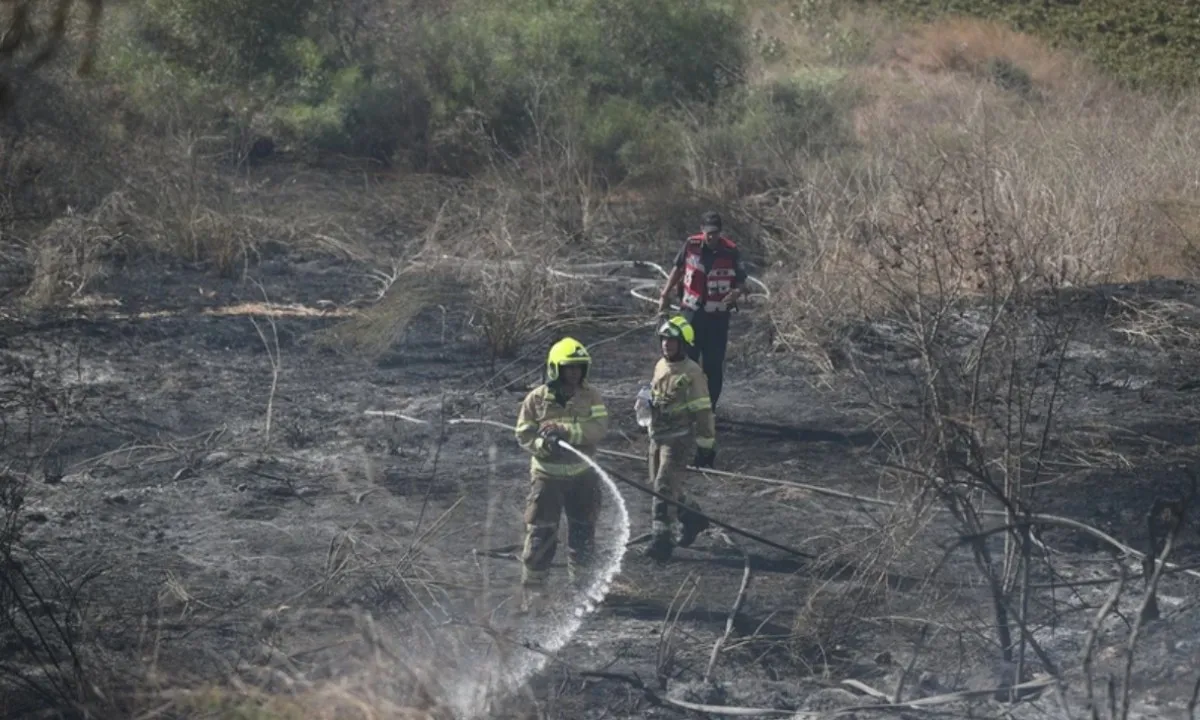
(1149, 45)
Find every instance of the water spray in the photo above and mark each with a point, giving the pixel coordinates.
(480, 684)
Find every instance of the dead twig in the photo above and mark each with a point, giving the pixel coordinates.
(273, 356)
(1138, 621)
(733, 613)
(736, 711)
(1089, 646)
(664, 656)
(899, 694)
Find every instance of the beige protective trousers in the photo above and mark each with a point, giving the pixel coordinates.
(668, 471)
(579, 497)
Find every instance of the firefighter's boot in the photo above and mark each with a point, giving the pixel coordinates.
(661, 545)
(533, 599)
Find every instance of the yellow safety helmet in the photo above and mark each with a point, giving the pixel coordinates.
(567, 351)
(678, 327)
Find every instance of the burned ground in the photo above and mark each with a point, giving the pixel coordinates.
(186, 538)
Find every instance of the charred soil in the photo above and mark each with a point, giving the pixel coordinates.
(215, 503)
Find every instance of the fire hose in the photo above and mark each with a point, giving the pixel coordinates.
(640, 288)
(640, 285)
(616, 476)
(1038, 518)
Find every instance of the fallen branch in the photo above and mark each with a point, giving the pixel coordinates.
(1139, 621)
(656, 699)
(737, 607)
(899, 694)
(935, 700)
(737, 711)
(867, 689)
(1089, 646)
(639, 539)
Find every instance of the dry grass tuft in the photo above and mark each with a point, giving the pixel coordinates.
(485, 252)
(72, 251)
(195, 215)
(986, 49)
(862, 565)
(1158, 323)
(67, 256)
(516, 301)
(1075, 190)
(375, 330)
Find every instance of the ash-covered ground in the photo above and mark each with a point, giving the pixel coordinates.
(189, 535)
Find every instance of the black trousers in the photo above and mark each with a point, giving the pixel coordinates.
(712, 337)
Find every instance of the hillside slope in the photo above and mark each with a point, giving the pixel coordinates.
(1152, 44)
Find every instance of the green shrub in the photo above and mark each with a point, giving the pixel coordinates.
(805, 112)
(1010, 76)
(600, 72)
(234, 39)
(762, 133)
(606, 65)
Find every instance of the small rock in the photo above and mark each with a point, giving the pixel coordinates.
(214, 458)
(116, 499)
(883, 658)
(928, 683)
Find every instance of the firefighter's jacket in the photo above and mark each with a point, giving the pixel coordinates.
(583, 416)
(682, 407)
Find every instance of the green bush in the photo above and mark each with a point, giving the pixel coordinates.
(598, 71)
(805, 112)
(228, 39)
(602, 62)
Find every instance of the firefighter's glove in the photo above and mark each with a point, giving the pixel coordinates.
(705, 457)
(542, 449)
(551, 434)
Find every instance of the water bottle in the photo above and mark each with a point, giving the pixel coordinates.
(643, 406)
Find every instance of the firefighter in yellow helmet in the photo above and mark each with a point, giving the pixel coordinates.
(566, 407)
(681, 424)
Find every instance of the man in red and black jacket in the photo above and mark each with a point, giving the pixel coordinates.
(709, 274)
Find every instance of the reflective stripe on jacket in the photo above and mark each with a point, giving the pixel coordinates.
(682, 407)
(584, 417)
(707, 288)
